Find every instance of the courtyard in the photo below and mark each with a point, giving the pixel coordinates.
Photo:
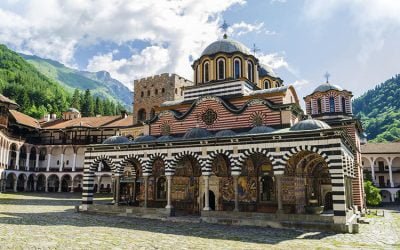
(48, 221)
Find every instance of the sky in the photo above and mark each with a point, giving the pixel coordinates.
(356, 41)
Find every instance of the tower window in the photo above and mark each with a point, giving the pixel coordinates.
(206, 73)
(237, 68)
(141, 94)
(156, 91)
(344, 104)
(148, 92)
(267, 84)
(163, 90)
(332, 104)
(319, 106)
(250, 71)
(221, 69)
(141, 115)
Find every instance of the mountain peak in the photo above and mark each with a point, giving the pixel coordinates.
(103, 75)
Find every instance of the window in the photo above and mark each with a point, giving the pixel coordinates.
(344, 104)
(332, 104)
(237, 68)
(161, 189)
(58, 162)
(267, 84)
(141, 115)
(267, 188)
(176, 91)
(319, 106)
(152, 113)
(221, 69)
(148, 92)
(206, 73)
(162, 90)
(67, 162)
(250, 71)
(156, 92)
(141, 94)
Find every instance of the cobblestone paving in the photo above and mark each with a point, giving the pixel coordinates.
(36, 221)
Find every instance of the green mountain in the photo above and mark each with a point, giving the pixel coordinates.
(379, 111)
(100, 83)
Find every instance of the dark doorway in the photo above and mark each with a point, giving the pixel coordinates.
(64, 185)
(381, 181)
(211, 199)
(328, 204)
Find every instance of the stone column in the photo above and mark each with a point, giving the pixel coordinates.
(117, 187)
(46, 186)
(74, 162)
(26, 185)
(37, 161)
(169, 185)
(59, 185)
(15, 185)
(28, 155)
(98, 184)
(373, 171)
(235, 186)
(17, 161)
(206, 193)
(48, 162)
(72, 185)
(146, 189)
(34, 185)
(278, 179)
(61, 162)
(391, 175)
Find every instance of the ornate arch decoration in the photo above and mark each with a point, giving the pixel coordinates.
(251, 151)
(233, 162)
(148, 169)
(130, 158)
(303, 148)
(93, 166)
(180, 156)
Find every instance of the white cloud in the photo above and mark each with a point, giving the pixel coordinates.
(243, 28)
(177, 30)
(373, 19)
(274, 60)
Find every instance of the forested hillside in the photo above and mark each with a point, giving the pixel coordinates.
(379, 110)
(100, 84)
(38, 94)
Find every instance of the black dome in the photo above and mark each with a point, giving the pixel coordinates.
(310, 124)
(116, 140)
(225, 133)
(197, 133)
(260, 130)
(144, 138)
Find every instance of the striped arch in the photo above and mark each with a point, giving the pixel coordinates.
(127, 159)
(174, 161)
(235, 166)
(106, 159)
(249, 152)
(147, 170)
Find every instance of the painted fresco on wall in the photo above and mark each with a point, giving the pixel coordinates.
(184, 188)
(288, 196)
(247, 189)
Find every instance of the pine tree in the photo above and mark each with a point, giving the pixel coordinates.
(76, 100)
(88, 104)
(99, 109)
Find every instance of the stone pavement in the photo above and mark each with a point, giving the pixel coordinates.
(48, 221)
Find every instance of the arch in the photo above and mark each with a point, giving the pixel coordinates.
(12, 164)
(133, 159)
(332, 104)
(267, 84)
(22, 156)
(221, 69)
(103, 158)
(66, 183)
(77, 183)
(31, 183)
(152, 159)
(21, 182)
(206, 71)
(226, 157)
(53, 183)
(41, 183)
(249, 152)
(237, 68)
(343, 100)
(141, 115)
(11, 180)
(319, 106)
(182, 155)
(250, 71)
(302, 148)
(152, 113)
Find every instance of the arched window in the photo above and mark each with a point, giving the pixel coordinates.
(237, 68)
(163, 90)
(156, 92)
(267, 84)
(344, 104)
(141, 115)
(332, 104)
(206, 72)
(161, 189)
(267, 188)
(221, 69)
(319, 106)
(152, 113)
(141, 94)
(176, 91)
(250, 71)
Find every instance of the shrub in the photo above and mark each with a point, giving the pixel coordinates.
(373, 194)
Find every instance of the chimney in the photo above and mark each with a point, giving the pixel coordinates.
(124, 114)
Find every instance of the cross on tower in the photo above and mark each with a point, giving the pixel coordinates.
(225, 27)
(255, 49)
(327, 75)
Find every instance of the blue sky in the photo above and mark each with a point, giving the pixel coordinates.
(355, 40)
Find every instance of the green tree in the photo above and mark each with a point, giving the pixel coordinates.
(76, 100)
(99, 109)
(373, 194)
(88, 104)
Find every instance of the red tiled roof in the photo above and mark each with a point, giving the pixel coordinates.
(23, 119)
(91, 122)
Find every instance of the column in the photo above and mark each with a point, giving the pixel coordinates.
(48, 162)
(46, 186)
(117, 187)
(59, 185)
(391, 175)
(206, 193)
(373, 171)
(26, 185)
(146, 189)
(17, 160)
(37, 161)
(278, 179)
(28, 155)
(72, 185)
(235, 186)
(15, 185)
(98, 184)
(74, 163)
(34, 185)
(169, 184)
(61, 162)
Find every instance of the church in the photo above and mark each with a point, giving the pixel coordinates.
(234, 145)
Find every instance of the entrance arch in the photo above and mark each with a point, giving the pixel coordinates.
(21, 182)
(41, 183)
(53, 183)
(66, 183)
(11, 182)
